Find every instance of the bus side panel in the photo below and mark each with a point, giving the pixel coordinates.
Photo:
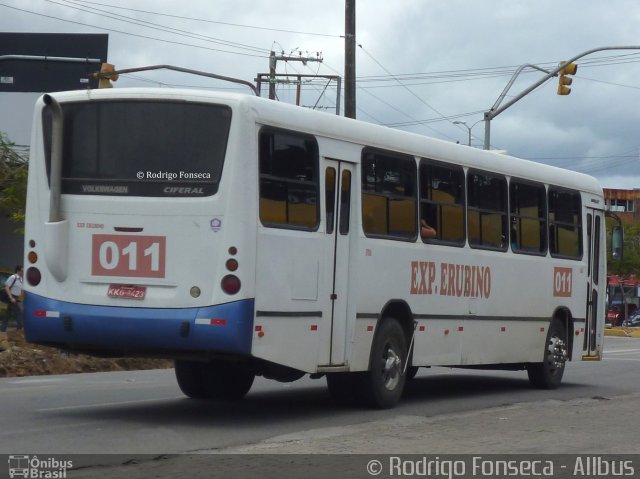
(225, 328)
(293, 317)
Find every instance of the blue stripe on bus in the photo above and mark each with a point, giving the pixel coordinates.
(104, 328)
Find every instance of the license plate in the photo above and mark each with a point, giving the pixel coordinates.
(126, 291)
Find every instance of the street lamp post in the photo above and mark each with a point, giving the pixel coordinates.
(469, 128)
(466, 126)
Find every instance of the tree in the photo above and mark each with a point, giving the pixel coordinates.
(13, 182)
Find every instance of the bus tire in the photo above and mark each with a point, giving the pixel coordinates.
(381, 387)
(342, 388)
(411, 372)
(548, 374)
(225, 380)
(189, 377)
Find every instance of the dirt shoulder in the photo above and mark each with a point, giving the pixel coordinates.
(26, 359)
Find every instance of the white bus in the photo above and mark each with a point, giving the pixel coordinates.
(242, 237)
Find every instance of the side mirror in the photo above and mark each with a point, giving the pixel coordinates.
(617, 241)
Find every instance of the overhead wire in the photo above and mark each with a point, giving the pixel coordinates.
(239, 25)
(421, 100)
(147, 37)
(155, 26)
(400, 79)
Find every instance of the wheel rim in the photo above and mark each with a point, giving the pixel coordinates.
(391, 368)
(557, 355)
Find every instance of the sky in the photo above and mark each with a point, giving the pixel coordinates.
(421, 65)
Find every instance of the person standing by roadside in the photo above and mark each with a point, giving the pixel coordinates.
(13, 288)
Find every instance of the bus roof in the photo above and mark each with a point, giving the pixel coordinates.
(284, 115)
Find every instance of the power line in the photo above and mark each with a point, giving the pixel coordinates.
(131, 34)
(412, 93)
(239, 25)
(156, 26)
(488, 72)
(432, 120)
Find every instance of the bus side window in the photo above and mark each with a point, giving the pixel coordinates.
(330, 198)
(289, 183)
(442, 202)
(389, 195)
(345, 202)
(565, 223)
(487, 210)
(528, 215)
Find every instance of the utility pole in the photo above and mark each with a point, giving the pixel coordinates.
(350, 59)
(272, 75)
(273, 59)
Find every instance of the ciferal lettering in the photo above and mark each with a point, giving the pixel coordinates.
(177, 190)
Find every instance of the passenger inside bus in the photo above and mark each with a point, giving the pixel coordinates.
(427, 231)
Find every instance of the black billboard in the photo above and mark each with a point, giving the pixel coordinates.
(46, 75)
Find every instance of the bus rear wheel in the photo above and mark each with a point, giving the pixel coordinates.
(189, 376)
(226, 380)
(548, 374)
(381, 387)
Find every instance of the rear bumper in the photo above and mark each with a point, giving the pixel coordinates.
(225, 328)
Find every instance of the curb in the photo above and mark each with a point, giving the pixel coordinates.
(623, 332)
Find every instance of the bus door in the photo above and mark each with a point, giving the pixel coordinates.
(596, 284)
(339, 177)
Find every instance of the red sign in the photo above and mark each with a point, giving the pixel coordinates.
(128, 255)
(126, 291)
(562, 282)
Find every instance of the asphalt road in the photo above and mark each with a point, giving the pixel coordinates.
(143, 412)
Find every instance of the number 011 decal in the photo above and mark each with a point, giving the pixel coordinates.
(562, 282)
(134, 256)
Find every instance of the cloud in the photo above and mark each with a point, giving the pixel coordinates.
(455, 49)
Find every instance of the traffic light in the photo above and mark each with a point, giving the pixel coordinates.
(105, 81)
(563, 80)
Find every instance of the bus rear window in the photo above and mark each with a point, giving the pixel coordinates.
(141, 148)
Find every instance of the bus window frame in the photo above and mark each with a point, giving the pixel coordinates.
(581, 226)
(463, 205)
(267, 129)
(393, 155)
(47, 140)
(545, 187)
(505, 232)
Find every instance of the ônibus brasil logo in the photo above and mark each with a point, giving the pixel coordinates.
(40, 468)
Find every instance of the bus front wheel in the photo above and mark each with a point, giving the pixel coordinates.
(382, 386)
(548, 374)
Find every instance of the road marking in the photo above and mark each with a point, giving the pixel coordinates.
(621, 351)
(106, 404)
(36, 381)
(46, 429)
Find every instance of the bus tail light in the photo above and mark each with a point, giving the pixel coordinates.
(34, 276)
(230, 284)
(232, 264)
